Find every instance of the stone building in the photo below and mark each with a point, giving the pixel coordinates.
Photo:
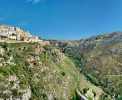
(12, 33)
(15, 33)
(33, 39)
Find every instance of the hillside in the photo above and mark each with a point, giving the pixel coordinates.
(104, 63)
(29, 71)
(100, 60)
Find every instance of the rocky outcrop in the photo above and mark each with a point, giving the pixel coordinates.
(11, 89)
(36, 72)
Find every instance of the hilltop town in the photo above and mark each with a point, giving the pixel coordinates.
(35, 69)
(15, 34)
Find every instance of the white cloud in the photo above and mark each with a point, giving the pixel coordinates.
(34, 1)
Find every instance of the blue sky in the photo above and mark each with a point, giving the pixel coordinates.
(63, 19)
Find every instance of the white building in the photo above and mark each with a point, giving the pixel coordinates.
(12, 33)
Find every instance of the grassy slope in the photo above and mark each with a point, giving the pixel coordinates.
(50, 74)
(100, 59)
(104, 64)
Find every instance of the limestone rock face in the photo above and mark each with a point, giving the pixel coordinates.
(11, 89)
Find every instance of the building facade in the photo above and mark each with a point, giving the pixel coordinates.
(12, 33)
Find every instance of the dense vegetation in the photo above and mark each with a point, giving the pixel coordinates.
(30, 71)
(100, 60)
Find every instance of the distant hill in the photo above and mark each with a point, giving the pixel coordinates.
(100, 59)
(103, 66)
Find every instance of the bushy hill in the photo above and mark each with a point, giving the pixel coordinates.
(104, 62)
(100, 59)
(29, 71)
